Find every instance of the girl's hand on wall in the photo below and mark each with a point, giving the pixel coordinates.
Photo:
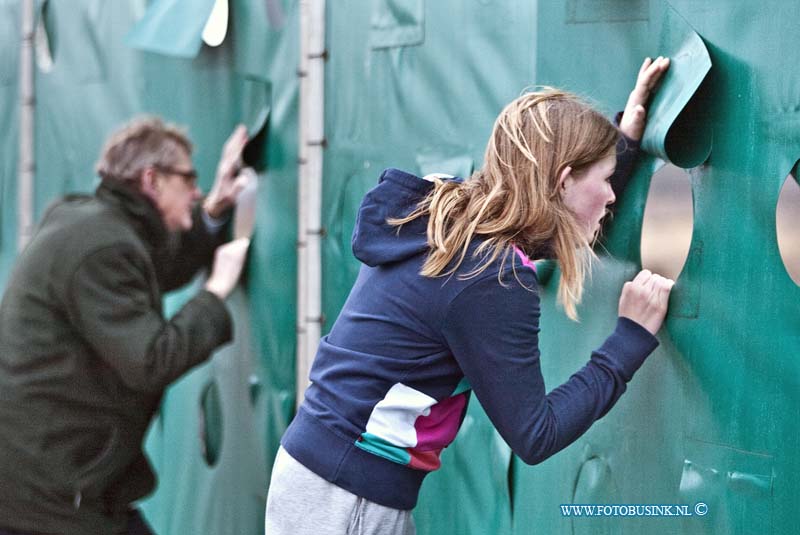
(644, 300)
(634, 117)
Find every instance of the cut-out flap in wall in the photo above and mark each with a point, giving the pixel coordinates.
(675, 130)
(172, 27)
(216, 27)
(43, 38)
(256, 112)
(210, 423)
(69, 35)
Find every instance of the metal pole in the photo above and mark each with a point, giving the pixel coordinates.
(26, 134)
(309, 226)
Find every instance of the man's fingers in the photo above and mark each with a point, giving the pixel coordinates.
(236, 141)
(240, 244)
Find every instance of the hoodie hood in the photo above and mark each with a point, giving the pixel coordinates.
(397, 194)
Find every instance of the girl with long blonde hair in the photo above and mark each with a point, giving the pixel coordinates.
(446, 304)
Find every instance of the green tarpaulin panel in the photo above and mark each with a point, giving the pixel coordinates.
(260, 44)
(9, 53)
(397, 23)
(693, 426)
(471, 492)
(9, 135)
(77, 44)
(425, 107)
(254, 378)
(172, 27)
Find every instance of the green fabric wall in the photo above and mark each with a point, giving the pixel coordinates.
(710, 417)
(9, 134)
(416, 84)
(98, 80)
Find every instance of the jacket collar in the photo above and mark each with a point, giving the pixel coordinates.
(137, 208)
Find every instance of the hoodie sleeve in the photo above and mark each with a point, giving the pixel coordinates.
(493, 332)
(627, 154)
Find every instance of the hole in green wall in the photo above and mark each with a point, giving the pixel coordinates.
(787, 226)
(668, 222)
(217, 24)
(210, 423)
(45, 38)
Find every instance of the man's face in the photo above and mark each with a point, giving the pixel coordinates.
(177, 193)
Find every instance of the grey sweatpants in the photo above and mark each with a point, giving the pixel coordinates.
(302, 503)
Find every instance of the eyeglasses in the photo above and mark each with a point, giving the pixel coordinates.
(190, 176)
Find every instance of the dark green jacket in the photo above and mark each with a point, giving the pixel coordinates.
(85, 355)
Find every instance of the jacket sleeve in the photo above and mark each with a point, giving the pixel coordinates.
(187, 253)
(493, 333)
(112, 305)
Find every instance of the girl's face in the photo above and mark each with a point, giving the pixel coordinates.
(588, 193)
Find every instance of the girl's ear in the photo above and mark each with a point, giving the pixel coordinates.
(565, 178)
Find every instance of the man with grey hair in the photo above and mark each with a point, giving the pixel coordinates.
(85, 350)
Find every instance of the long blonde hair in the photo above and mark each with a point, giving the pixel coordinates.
(514, 200)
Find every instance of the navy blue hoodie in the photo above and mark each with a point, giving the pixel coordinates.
(391, 382)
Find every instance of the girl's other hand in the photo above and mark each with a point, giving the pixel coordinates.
(644, 300)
